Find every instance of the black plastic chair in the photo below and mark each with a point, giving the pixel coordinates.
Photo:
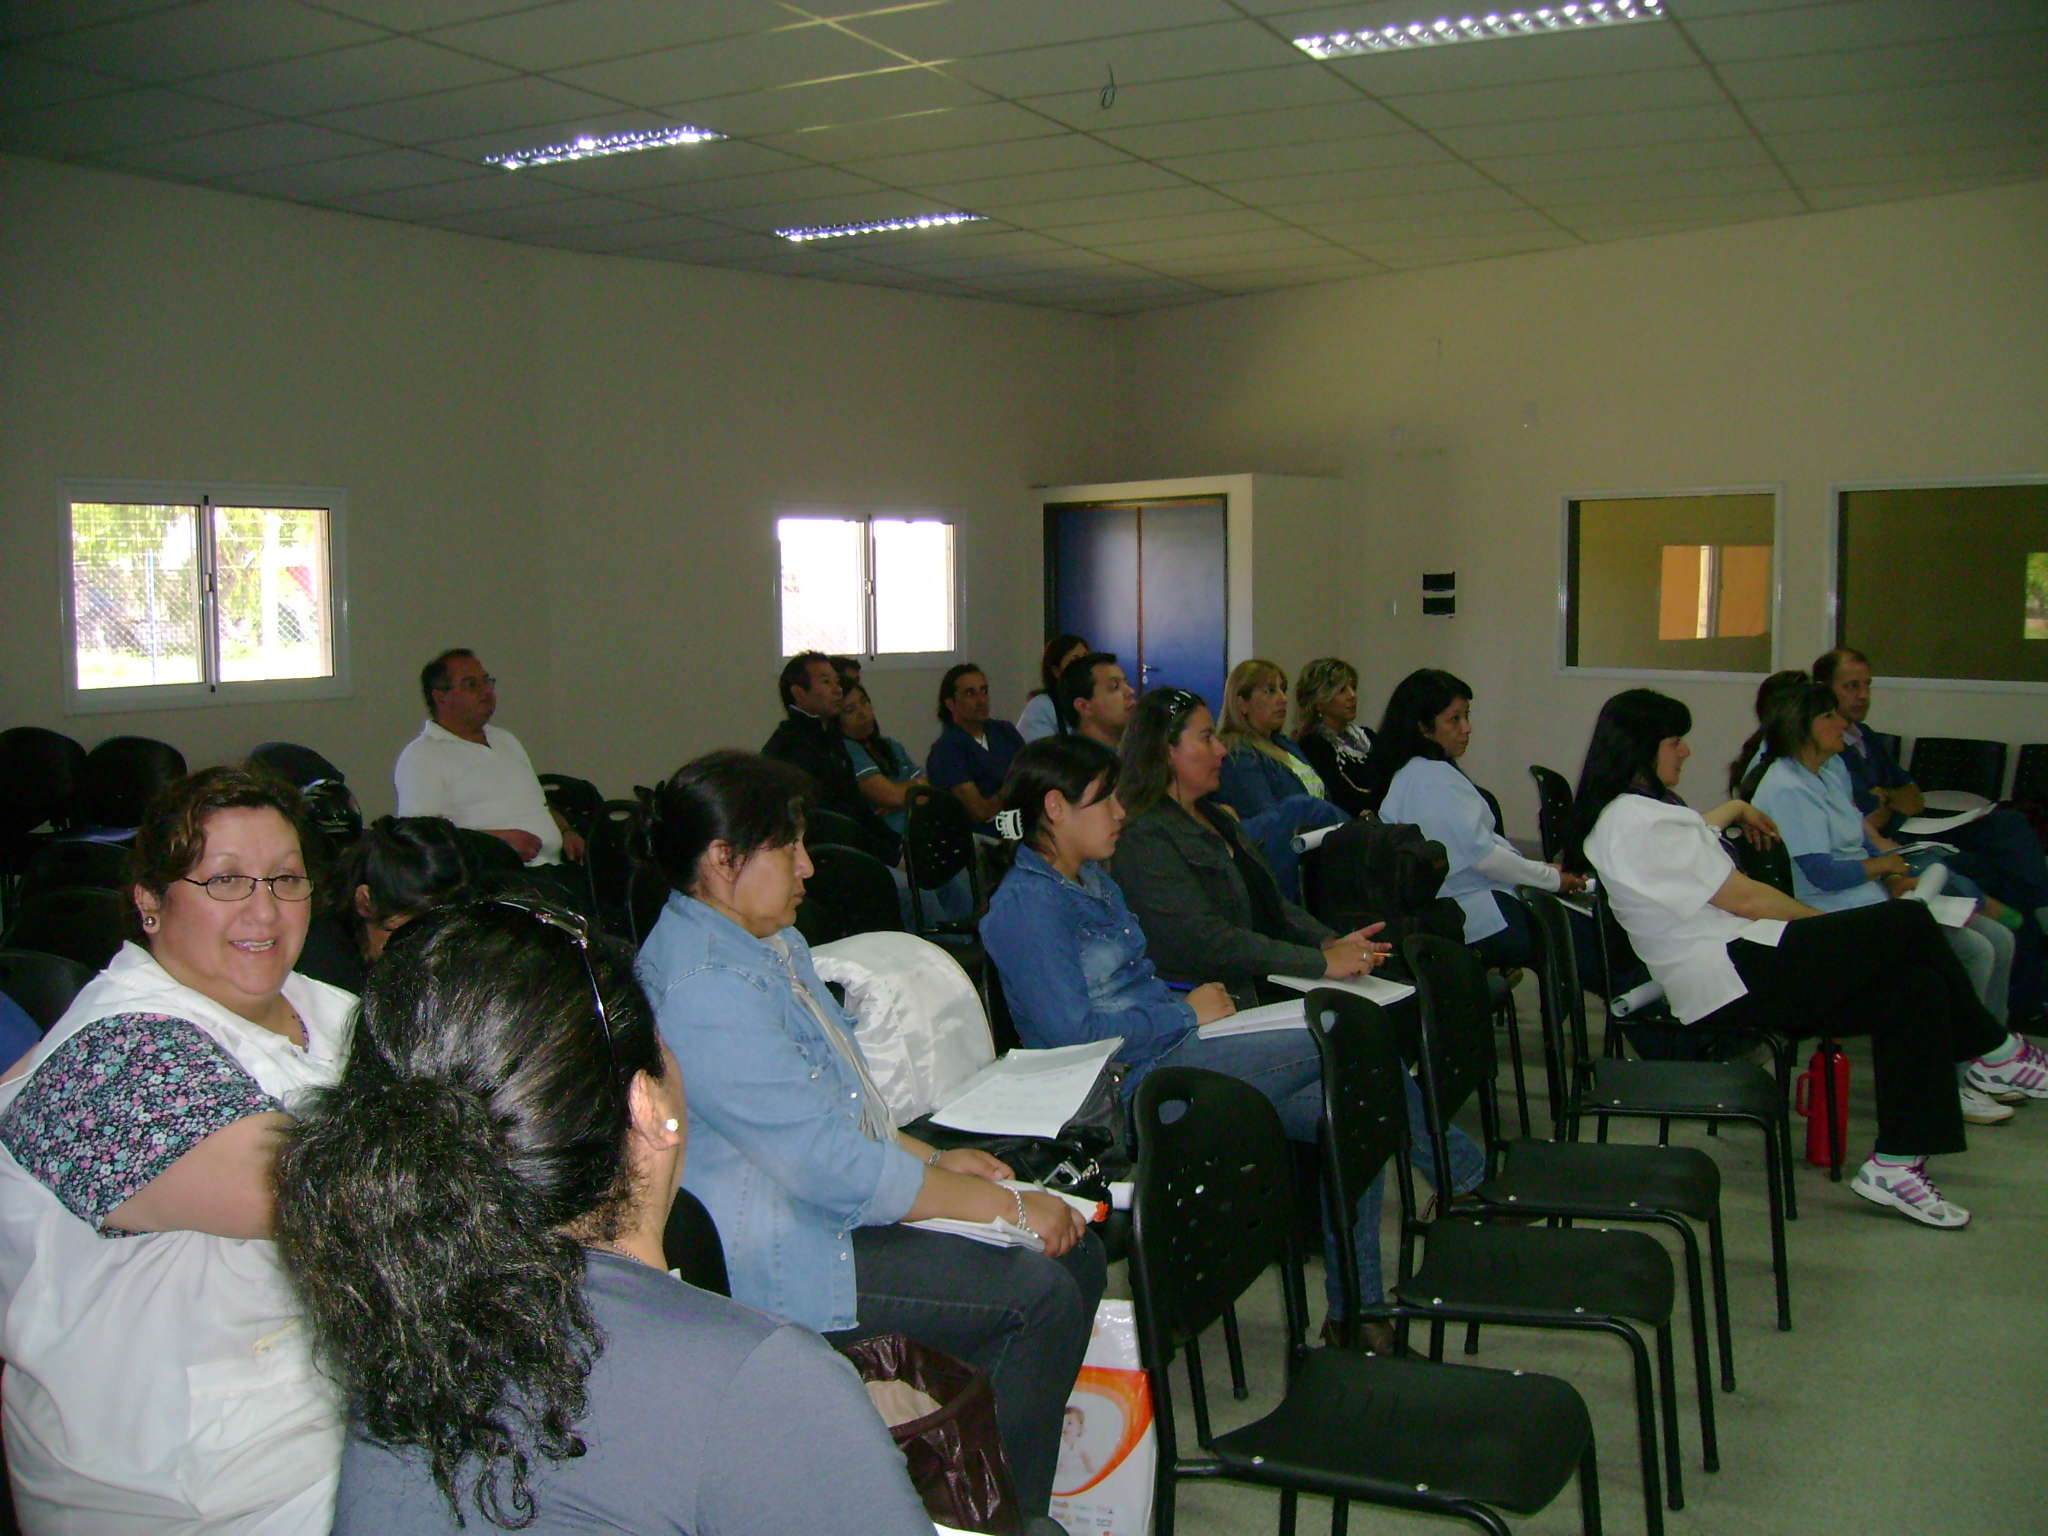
(1959, 762)
(122, 775)
(43, 985)
(40, 772)
(692, 1247)
(850, 891)
(87, 926)
(1214, 1209)
(577, 801)
(1673, 1187)
(1713, 1093)
(298, 766)
(1553, 809)
(608, 865)
(938, 843)
(2030, 774)
(1569, 1279)
(73, 865)
(330, 804)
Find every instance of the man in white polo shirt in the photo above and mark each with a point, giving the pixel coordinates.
(474, 773)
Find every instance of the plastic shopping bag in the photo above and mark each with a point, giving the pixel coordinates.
(1108, 1451)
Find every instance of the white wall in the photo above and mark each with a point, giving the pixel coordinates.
(1460, 404)
(569, 462)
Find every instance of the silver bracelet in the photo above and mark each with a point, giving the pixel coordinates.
(1022, 1220)
(933, 1160)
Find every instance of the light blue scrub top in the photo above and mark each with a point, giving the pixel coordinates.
(1816, 813)
(1437, 797)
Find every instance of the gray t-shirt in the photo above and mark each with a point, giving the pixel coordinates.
(706, 1418)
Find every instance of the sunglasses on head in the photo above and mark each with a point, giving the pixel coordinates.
(579, 931)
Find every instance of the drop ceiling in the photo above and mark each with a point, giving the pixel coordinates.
(1127, 154)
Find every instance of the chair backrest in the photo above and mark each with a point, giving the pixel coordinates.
(1895, 746)
(1553, 809)
(40, 773)
(1959, 762)
(43, 984)
(1365, 1112)
(87, 926)
(298, 766)
(691, 1244)
(1563, 998)
(1213, 1207)
(849, 892)
(487, 857)
(938, 839)
(122, 774)
(608, 859)
(1380, 872)
(73, 865)
(576, 801)
(2030, 777)
(1456, 1060)
(1500, 823)
(1771, 864)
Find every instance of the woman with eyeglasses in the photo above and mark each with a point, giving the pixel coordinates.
(473, 1215)
(158, 1378)
(793, 1149)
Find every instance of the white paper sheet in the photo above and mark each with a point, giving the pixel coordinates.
(1927, 826)
(1002, 1232)
(1253, 1021)
(1313, 838)
(1378, 988)
(1951, 911)
(1028, 1093)
(1954, 800)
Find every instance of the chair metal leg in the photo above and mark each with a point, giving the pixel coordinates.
(1589, 1491)
(1667, 1392)
(1717, 1262)
(1511, 1022)
(1288, 1501)
(1646, 1427)
(1340, 1517)
(1436, 1339)
(1233, 1347)
(1471, 1338)
(1703, 1373)
(1776, 1184)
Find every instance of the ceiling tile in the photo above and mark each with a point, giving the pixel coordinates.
(1547, 135)
(853, 208)
(1562, 98)
(1021, 192)
(1518, 60)
(346, 77)
(28, 81)
(1233, 283)
(330, 180)
(1866, 24)
(1621, 159)
(1173, 101)
(1159, 201)
(1255, 130)
(1274, 160)
(681, 165)
(1408, 253)
(1564, 195)
(419, 15)
(1874, 69)
(1164, 226)
(1894, 190)
(724, 249)
(976, 162)
(33, 18)
(557, 37)
(751, 63)
(2004, 162)
(545, 218)
(1381, 181)
(445, 199)
(826, 103)
(1963, 98)
(208, 37)
(1389, 224)
(2019, 128)
(1332, 259)
(846, 143)
(967, 28)
(635, 235)
(238, 151)
(1345, 220)
(102, 123)
(1728, 209)
(791, 185)
(1277, 237)
(1179, 54)
(524, 101)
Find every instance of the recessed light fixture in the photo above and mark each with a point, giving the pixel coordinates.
(590, 146)
(1477, 29)
(878, 226)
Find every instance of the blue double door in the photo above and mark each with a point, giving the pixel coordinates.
(1146, 580)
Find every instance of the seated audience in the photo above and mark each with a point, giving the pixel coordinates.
(792, 1147)
(810, 739)
(1265, 778)
(1731, 950)
(1426, 729)
(475, 773)
(399, 868)
(973, 752)
(473, 1216)
(882, 768)
(156, 1379)
(1327, 731)
(1041, 709)
(1095, 699)
(1800, 783)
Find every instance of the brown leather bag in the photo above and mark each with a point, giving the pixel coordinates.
(954, 1453)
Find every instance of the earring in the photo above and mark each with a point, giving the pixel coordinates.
(671, 1124)
(149, 922)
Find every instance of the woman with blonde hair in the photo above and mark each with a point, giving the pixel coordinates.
(1327, 731)
(1265, 778)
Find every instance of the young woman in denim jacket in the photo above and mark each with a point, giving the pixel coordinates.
(792, 1147)
(1072, 962)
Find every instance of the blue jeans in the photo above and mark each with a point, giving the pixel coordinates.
(1285, 1066)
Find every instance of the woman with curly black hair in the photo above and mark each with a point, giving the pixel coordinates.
(473, 1217)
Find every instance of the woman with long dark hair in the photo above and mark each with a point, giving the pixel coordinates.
(1731, 950)
(399, 868)
(473, 1217)
(1041, 710)
(793, 1148)
(1426, 729)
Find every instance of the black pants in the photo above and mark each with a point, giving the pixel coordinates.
(1022, 1318)
(1883, 971)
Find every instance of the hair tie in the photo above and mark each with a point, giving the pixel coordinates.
(1011, 825)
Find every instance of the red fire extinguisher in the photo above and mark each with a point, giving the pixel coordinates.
(1807, 1101)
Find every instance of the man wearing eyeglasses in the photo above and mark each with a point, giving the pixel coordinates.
(473, 772)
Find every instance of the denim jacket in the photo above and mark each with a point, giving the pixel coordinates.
(776, 1149)
(1073, 966)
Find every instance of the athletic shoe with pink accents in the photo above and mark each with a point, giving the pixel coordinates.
(1909, 1191)
(2025, 1075)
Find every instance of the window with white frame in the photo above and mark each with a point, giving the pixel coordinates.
(179, 594)
(878, 586)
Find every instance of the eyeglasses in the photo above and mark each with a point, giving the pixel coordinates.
(469, 685)
(242, 887)
(578, 930)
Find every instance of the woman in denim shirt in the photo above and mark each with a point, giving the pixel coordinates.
(1073, 967)
(792, 1148)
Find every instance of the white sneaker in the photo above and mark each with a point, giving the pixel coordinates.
(1981, 1108)
(1910, 1191)
(2026, 1074)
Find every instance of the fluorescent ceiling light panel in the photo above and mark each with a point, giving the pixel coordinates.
(879, 226)
(1478, 29)
(591, 147)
